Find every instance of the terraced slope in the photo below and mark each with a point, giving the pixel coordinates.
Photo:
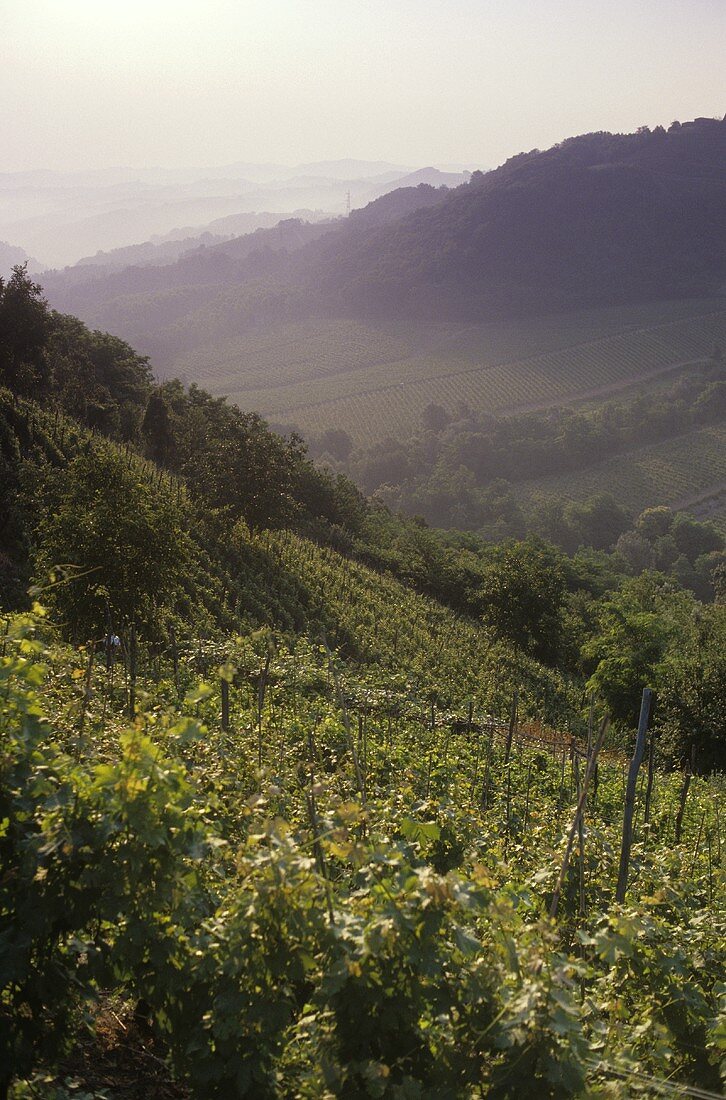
(374, 381)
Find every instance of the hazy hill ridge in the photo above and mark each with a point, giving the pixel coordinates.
(598, 219)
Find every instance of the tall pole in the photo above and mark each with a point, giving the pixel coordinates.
(630, 795)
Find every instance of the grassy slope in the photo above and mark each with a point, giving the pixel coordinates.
(439, 784)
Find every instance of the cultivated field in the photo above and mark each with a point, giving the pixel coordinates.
(375, 380)
(688, 473)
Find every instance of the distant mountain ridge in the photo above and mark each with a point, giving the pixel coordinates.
(65, 215)
(11, 254)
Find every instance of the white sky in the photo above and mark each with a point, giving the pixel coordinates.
(95, 83)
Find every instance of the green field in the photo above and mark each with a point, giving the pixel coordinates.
(375, 380)
(688, 472)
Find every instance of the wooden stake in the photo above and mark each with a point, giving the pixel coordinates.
(225, 704)
(86, 695)
(133, 653)
(581, 832)
(314, 824)
(174, 658)
(580, 808)
(697, 845)
(261, 689)
(512, 726)
(487, 770)
(651, 773)
(682, 803)
(526, 799)
(630, 795)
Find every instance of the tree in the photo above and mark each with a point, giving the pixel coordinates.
(693, 538)
(25, 323)
(636, 627)
(599, 521)
(693, 692)
(123, 538)
(434, 418)
(635, 550)
(335, 442)
(654, 523)
(156, 428)
(523, 594)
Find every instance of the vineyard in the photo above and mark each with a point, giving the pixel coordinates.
(322, 878)
(374, 382)
(686, 472)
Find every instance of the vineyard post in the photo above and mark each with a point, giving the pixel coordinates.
(133, 653)
(651, 772)
(590, 719)
(581, 827)
(509, 810)
(365, 745)
(487, 768)
(682, 803)
(315, 826)
(561, 799)
(512, 726)
(718, 833)
(578, 811)
(710, 868)
(109, 633)
(86, 694)
(174, 658)
(360, 783)
(590, 728)
(630, 795)
(475, 776)
(687, 774)
(526, 798)
(697, 845)
(224, 684)
(261, 689)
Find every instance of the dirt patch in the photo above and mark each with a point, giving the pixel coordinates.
(122, 1058)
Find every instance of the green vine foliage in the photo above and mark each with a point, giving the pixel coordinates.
(290, 934)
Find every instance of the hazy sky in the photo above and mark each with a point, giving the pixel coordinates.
(95, 83)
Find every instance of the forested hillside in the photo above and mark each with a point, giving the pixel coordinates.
(600, 219)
